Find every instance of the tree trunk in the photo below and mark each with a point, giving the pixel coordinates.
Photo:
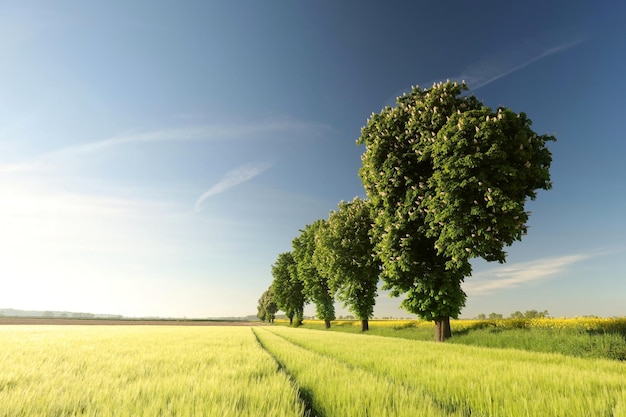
(291, 320)
(365, 325)
(442, 328)
(327, 324)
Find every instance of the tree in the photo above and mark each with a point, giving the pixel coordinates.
(534, 314)
(316, 287)
(288, 289)
(260, 309)
(267, 306)
(448, 178)
(517, 315)
(344, 253)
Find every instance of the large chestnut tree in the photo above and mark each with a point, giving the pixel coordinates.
(448, 179)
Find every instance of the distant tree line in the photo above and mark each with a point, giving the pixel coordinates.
(529, 314)
(9, 312)
(446, 180)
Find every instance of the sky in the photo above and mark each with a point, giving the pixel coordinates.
(156, 157)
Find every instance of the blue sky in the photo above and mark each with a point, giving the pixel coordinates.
(156, 157)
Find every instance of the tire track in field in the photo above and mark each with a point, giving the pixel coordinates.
(453, 409)
(446, 408)
(305, 397)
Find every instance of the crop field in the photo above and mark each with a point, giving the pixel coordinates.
(68, 371)
(588, 337)
(596, 324)
(382, 376)
(59, 371)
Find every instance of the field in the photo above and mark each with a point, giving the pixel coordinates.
(588, 337)
(280, 371)
(195, 371)
(380, 376)
(123, 322)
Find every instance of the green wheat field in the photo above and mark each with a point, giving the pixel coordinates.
(58, 371)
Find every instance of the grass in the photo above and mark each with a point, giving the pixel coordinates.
(572, 342)
(337, 388)
(105, 371)
(120, 371)
(455, 379)
(581, 337)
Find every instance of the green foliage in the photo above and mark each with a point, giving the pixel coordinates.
(344, 253)
(529, 314)
(491, 316)
(316, 285)
(266, 309)
(448, 178)
(517, 315)
(534, 314)
(288, 289)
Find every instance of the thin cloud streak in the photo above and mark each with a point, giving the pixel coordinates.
(233, 178)
(184, 134)
(187, 134)
(486, 72)
(519, 274)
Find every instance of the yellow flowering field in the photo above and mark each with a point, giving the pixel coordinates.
(580, 323)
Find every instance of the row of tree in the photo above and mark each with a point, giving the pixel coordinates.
(447, 179)
(330, 259)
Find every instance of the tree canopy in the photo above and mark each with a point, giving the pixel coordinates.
(344, 253)
(316, 286)
(288, 289)
(448, 178)
(266, 308)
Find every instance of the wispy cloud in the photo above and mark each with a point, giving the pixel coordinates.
(233, 178)
(500, 65)
(183, 134)
(518, 274)
(186, 134)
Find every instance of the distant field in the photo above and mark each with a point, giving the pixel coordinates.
(584, 323)
(123, 322)
(205, 371)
